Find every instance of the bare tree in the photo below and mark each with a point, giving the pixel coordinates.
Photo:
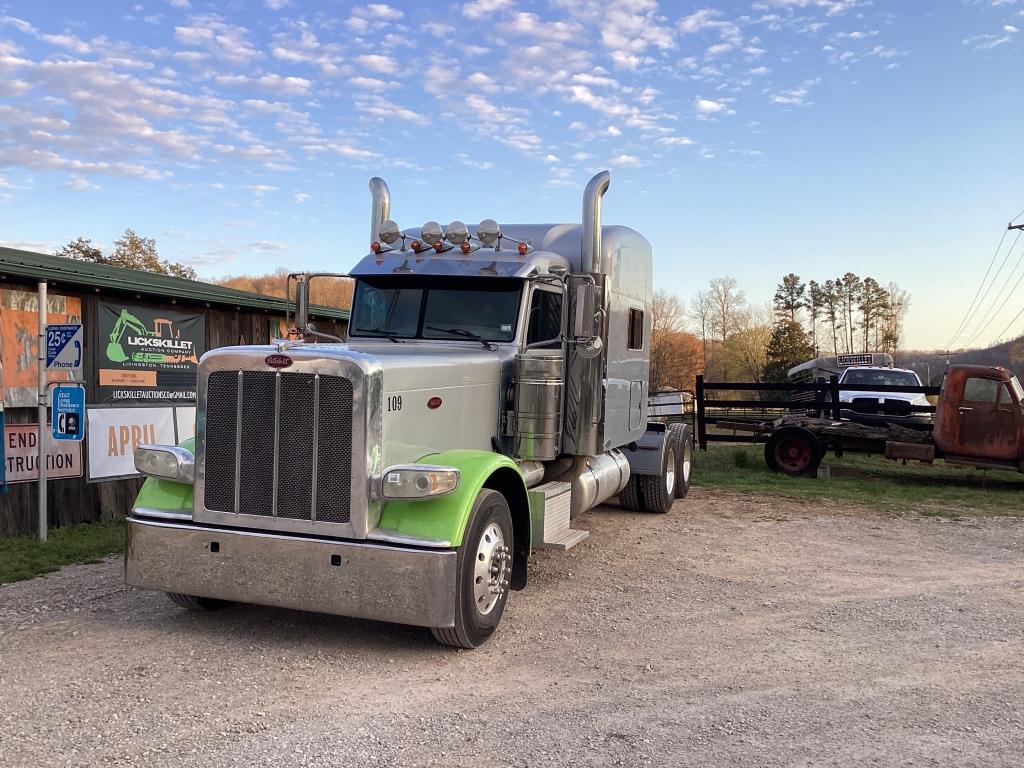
(727, 301)
(701, 311)
(895, 314)
(668, 313)
(814, 308)
(746, 350)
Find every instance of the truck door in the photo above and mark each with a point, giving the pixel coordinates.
(987, 420)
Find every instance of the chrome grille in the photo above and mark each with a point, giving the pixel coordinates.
(279, 444)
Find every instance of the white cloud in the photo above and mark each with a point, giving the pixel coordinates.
(277, 5)
(478, 9)
(79, 184)
(794, 96)
(269, 247)
(709, 106)
(675, 141)
(625, 160)
(376, 62)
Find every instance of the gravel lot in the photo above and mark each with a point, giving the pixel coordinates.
(735, 631)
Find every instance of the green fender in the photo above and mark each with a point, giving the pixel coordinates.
(445, 517)
(167, 494)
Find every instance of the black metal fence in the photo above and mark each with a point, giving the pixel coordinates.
(823, 403)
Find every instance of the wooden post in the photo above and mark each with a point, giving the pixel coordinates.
(819, 395)
(834, 394)
(702, 429)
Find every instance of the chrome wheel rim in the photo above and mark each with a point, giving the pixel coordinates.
(492, 564)
(687, 460)
(670, 471)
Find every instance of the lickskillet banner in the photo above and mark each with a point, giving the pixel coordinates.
(148, 355)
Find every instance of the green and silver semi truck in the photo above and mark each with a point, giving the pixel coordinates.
(492, 386)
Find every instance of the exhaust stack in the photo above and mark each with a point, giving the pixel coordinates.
(380, 210)
(591, 245)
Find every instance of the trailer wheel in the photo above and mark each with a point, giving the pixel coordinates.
(684, 458)
(193, 603)
(484, 572)
(659, 491)
(793, 451)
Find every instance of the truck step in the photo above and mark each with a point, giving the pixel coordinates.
(549, 515)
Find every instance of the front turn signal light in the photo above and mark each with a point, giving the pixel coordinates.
(418, 481)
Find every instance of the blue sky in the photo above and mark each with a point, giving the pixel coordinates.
(748, 139)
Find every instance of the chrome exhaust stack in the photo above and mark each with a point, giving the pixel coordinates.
(380, 209)
(591, 241)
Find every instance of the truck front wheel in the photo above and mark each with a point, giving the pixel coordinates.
(484, 571)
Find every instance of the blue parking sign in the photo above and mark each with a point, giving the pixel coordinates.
(68, 413)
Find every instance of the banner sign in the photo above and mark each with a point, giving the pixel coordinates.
(64, 347)
(148, 354)
(185, 420)
(68, 413)
(20, 455)
(19, 339)
(115, 433)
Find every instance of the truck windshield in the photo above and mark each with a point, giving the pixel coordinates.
(883, 377)
(436, 307)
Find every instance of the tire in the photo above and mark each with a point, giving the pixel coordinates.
(684, 459)
(630, 497)
(194, 603)
(793, 451)
(486, 546)
(659, 491)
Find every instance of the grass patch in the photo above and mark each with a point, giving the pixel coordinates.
(935, 490)
(24, 557)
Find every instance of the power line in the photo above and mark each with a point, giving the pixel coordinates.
(1010, 324)
(968, 313)
(990, 315)
(988, 288)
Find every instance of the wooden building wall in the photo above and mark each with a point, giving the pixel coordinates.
(74, 500)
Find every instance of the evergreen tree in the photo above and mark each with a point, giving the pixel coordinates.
(789, 345)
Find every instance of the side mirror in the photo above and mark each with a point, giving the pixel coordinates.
(583, 310)
(586, 319)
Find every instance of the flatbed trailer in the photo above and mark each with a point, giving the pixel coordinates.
(979, 422)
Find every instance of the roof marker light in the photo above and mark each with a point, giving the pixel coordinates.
(431, 232)
(523, 248)
(465, 247)
(457, 233)
(389, 232)
(488, 232)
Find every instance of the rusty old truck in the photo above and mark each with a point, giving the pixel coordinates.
(979, 422)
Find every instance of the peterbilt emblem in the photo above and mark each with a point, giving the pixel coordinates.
(278, 361)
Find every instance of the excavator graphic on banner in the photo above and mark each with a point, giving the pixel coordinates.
(162, 329)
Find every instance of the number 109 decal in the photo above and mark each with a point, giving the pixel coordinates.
(394, 402)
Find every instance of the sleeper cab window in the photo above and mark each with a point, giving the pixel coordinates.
(981, 390)
(636, 329)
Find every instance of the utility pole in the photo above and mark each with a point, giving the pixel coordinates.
(947, 354)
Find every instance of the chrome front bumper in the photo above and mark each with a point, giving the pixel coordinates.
(369, 581)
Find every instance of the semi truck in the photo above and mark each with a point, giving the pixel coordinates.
(491, 388)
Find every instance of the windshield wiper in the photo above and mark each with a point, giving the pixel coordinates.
(392, 335)
(465, 333)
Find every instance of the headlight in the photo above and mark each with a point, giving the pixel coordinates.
(418, 481)
(166, 462)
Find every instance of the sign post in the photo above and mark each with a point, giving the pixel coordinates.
(60, 349)
(41, 442)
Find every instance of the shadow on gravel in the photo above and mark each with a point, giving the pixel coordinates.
(268, 628)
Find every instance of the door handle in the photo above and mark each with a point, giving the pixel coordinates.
(963, 409)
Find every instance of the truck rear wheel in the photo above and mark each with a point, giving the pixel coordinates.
(684, 458)
(659, 491)
(484, 572)
(193, 603)
(793, 451)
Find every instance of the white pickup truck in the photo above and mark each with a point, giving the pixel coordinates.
(877, 407)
